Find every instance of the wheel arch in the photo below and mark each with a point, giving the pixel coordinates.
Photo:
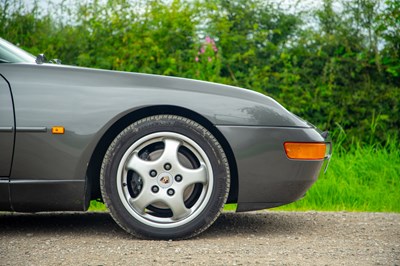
(93, 170)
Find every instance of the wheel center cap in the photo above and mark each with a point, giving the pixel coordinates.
(165, 180)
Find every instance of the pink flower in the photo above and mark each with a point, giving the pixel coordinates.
(197, 59)
(208, 39)
(209, 59)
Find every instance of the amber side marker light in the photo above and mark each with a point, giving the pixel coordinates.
(57, 130)
(305, 151)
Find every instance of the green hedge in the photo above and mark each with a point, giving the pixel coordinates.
(339, 68)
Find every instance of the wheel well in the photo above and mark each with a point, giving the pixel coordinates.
(93, 171)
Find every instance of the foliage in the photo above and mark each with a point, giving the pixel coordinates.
(339, 71)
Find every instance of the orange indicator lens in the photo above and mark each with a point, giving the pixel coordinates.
(305, 151)
(57, 130)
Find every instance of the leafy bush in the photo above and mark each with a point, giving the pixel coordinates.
(341, 71)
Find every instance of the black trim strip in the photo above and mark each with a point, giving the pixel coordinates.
(6, 129)
(31, 129)
(43, 181)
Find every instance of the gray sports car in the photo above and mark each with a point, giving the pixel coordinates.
(164, 154)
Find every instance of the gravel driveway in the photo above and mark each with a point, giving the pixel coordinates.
(264, 238)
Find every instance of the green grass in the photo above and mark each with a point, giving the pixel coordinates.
(96, 206)
(363, 178)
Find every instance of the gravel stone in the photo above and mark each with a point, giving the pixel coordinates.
(256, 238)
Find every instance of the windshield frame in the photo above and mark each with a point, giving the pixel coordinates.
(14, 53)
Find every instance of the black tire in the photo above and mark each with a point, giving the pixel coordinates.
(165, 177)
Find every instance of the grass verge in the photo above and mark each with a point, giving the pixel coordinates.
(362, 179)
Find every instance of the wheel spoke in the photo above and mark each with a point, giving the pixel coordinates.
(140, 166)
(170, 153)
(144, 199)
(177, 206)
(192, 176)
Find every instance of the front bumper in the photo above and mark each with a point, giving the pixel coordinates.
(267, 178)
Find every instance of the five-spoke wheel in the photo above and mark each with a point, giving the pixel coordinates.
(165, 177)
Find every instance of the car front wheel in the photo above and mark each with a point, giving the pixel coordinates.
(165, 177)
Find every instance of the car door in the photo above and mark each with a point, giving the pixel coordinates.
(7, 135)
